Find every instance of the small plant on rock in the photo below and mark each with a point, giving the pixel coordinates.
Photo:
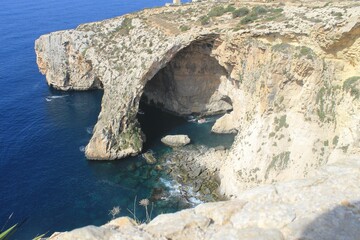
(350, 85)
(115, 211)
(216, 11)
(204, 20)
(240, 12)
(145, 203)
(184, 28)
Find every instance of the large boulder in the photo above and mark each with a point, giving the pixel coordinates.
(176, 140)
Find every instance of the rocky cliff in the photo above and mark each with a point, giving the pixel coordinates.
(288, 75)
(319, 207)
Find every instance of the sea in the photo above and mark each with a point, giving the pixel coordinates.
(46, 183)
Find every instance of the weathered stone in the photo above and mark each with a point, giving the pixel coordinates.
(122, 222)
(324, 206)
(291, 83)
(183, 222)
(176, 140)
(149, 157)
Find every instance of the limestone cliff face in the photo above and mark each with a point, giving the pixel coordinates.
(290, 78)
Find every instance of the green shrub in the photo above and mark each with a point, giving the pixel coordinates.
(254, 15)
(216, 11)
(230, 9)
(125, 27)
(350, 86)
(277, 10)
(240, 12)
(259, 10)
(335, 140)
(204, 20)
(220, 10)
(281, 47)
(248, 19)
(337, 14)
(305, 52)
(184, 28)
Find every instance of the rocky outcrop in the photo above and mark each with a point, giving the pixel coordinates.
(191, 167)
(319, 207)
(287, 75)
(176, 140)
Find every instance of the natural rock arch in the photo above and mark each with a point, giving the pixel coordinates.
(190, 83)
(183, 68)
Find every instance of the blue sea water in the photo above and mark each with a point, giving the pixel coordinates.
(44, 176)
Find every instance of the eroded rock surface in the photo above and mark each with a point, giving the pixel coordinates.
(176, 140)
(319, 207)
(289, 82)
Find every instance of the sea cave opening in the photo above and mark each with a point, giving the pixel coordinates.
(190, 85)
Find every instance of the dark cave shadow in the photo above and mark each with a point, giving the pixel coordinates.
(189, 83)
(340, 223)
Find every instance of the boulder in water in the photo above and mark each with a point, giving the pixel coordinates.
(149, 157)
(176, 140)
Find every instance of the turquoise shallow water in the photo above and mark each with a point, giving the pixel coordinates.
(44, 176)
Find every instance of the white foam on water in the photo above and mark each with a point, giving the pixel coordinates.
(50, 98)
(90, 130)
(172, 186)
(82, 148)
(175, 189)
(195, 201)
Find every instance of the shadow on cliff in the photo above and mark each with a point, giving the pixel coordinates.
(342, 222)
(156, 123)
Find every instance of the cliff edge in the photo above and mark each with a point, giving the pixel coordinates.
(287, 75)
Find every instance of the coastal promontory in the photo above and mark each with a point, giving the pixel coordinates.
(286, 76)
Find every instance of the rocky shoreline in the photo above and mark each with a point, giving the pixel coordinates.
(320, 207)
(185, 167)
(288, 76)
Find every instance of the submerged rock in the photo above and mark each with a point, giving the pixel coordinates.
(188, 169)
(176, 140)
(149, 157)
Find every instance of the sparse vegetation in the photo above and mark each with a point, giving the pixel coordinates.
(281, 47)
(274, 13)
(345, 148)
(240, 12)
(325, 99)
(125, 27)
(216, 11)
(350, 85)
(7, 232)
(184, 28)
(248, 19)
(280, 123)
(258, 12)
(204, 20)
(115, 211)
(305, 52)
(278, 163)
(144, 203)
(320, 100)
(337, 14)
(230, 8)
(277, 10)
(220, 10)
